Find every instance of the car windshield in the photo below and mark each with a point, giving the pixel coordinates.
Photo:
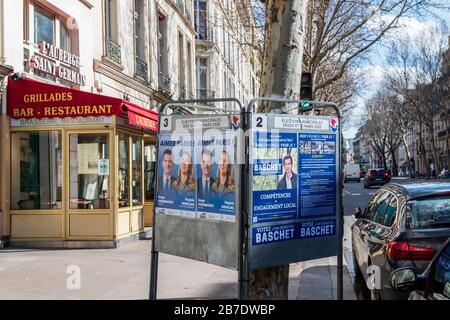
(430, 213)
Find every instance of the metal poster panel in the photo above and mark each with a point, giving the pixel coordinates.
(197, 203)
(293, 189)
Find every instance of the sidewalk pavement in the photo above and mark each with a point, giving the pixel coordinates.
(123, 273)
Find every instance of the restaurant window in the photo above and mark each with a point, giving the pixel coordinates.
(136, 164)
(37, 179)
(149, 170)
(43, 27)
(89, 171)
(124, 163)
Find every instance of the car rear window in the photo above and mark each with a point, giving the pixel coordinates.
(430, 213)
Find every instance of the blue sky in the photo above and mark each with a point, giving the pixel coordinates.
(379, 66)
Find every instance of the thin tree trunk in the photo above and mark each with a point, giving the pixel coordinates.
(408, 152)
(281, 75)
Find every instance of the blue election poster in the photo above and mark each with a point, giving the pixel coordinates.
(176, 177)
(270, 234)
(216, 182)
(315, 229)
(317, 167)
(274, 178)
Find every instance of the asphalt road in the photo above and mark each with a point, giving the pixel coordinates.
(355, 195)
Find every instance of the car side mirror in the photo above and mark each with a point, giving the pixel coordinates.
(358, 213)
(403, 279)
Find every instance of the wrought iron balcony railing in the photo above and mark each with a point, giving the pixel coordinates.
(113, 51)
(141, 68)
(164, 84)
(204, 33)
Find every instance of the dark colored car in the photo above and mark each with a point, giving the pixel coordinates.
(362, 173)
(444, 175)
(433, 284)
(376, 177)
(402, 226)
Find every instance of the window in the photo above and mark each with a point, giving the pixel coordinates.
(200, 20)
(189, 70)
(181, 67)
(378, 212)
(111, 20)
(391, 210)
(124, 163)
(140, 29)
(64, 38)
(136, 164)
(36, 183)
(202, 77)
(113, 50)
(89, 171)
(430, 212)
(44, 29)
(149, 171)
(162, 45)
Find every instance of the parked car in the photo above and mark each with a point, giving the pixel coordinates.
(376, 177)
(352, 172)
(433, 284)
(401, 226)
(362, 173)
(445, 174)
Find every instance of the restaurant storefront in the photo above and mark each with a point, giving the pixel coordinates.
(82, 167)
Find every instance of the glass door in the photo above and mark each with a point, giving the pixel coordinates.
(89, 185)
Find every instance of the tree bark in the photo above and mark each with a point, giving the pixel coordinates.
(283, 50)
(281, 75)
(408, 153)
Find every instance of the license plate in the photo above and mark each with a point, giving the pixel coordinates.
(378, 179)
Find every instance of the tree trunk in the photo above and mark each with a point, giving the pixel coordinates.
(283, 50)
(447, 147)
(408, 152)
(394, 164)
(281, 75)
(437, 163)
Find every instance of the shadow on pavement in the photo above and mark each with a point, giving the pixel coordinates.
(319, 283)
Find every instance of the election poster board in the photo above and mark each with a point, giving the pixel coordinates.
(294, 189)
(197, 203)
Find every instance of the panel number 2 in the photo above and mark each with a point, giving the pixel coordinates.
(259, 121)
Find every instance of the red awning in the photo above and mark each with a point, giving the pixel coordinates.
(141, 117)
(29, 99)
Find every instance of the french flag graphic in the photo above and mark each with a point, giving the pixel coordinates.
(333, 124)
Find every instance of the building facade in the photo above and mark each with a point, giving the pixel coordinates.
(128, 57)
(226, 66)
